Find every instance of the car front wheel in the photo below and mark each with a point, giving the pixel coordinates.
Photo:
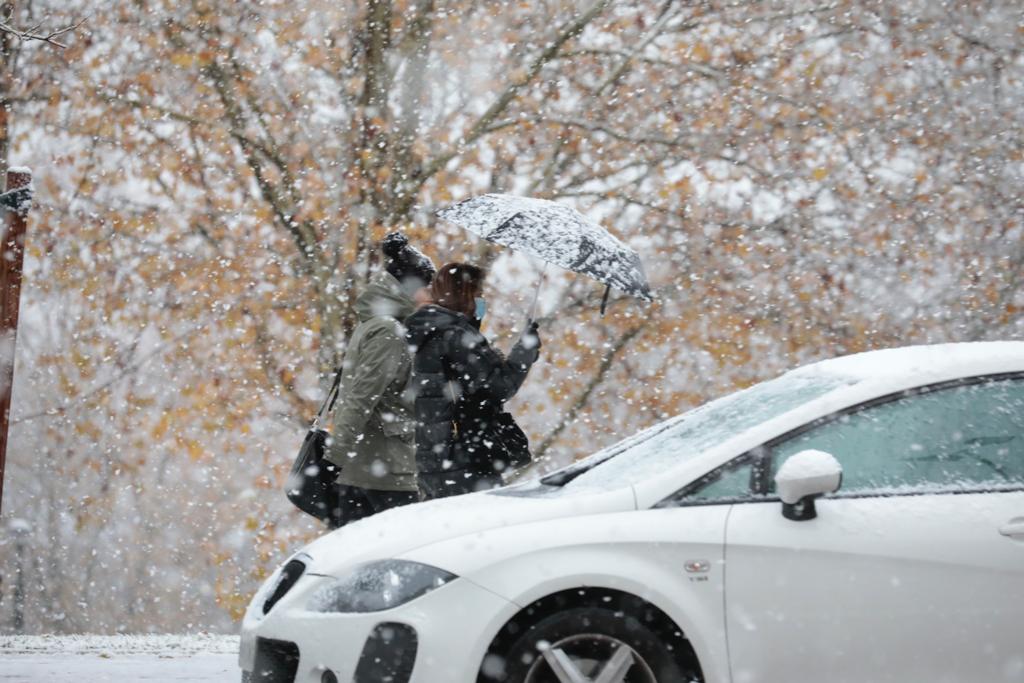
(588, 645)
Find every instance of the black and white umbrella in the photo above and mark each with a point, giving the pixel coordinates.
(555, 234)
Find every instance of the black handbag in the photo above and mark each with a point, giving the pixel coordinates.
(515, 445)
(500, 445)
(311, 486)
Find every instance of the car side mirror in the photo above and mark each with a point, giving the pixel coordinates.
(803, 477)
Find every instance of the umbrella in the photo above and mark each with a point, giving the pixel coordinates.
(555, 234)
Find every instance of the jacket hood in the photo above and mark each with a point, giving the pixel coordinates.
(383, 297)
(430, 318)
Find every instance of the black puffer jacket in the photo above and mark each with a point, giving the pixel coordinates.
(460, 383)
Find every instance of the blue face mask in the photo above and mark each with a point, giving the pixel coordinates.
(481, 308)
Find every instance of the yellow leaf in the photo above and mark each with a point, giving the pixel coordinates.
(183, 59)
(161, 427)
(195, 451)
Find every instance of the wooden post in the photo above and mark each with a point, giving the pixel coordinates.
(20, 529)
(15, 203)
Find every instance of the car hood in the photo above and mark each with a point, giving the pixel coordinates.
(402, 530)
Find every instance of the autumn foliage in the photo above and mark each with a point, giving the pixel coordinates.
(801, 180)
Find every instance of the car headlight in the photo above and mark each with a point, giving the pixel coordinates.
(378, 586)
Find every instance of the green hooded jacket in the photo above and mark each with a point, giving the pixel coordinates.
(372, 432)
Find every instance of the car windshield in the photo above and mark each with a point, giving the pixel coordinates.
(680, 438)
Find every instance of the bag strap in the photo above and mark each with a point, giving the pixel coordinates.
(332, 396)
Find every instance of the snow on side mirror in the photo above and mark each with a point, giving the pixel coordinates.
(802, 478)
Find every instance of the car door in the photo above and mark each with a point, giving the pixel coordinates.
(913, 570)
(685, 535)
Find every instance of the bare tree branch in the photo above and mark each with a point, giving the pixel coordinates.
(412, 84)
(31, 34)
(595, 381)
(483, 124)
(663, 17)
(127, 371)
(299, 407)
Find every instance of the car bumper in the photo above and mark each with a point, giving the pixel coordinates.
(441, 636)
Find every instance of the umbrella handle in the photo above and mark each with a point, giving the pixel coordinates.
(604, 299)
(536, 295)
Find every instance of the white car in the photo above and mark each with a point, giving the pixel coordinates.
(859, 519)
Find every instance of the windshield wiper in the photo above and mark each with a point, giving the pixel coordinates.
(565, 476)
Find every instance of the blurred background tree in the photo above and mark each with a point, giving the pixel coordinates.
(802, 180)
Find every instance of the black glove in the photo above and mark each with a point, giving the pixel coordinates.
(531, 339)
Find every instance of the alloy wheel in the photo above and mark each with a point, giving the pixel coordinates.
(589, 658)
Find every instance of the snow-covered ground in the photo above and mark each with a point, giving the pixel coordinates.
(154, 659)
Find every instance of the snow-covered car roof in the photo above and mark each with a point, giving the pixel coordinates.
(924, 362)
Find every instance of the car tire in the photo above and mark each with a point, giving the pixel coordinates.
(583, 642)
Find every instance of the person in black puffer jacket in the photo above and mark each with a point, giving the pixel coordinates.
(460, 384)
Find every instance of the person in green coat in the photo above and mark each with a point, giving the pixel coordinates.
(373, 426)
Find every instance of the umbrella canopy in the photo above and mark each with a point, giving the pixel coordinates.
(553, 233)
